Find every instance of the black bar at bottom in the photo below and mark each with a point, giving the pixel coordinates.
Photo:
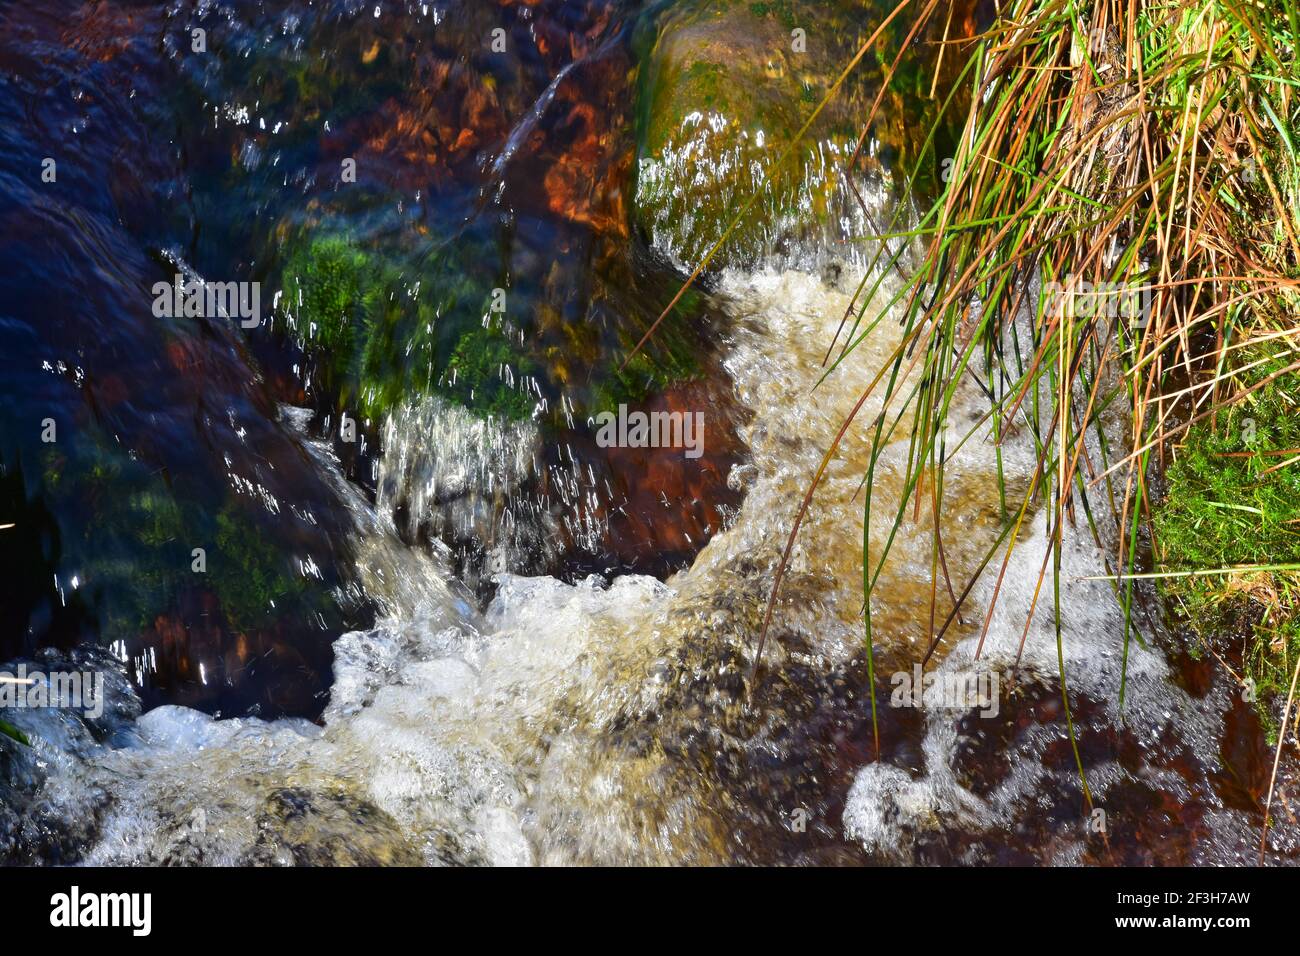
(261, 907)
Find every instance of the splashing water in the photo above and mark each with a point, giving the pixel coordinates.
(606, 722)
(564, 725)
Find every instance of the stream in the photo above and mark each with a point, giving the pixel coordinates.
(474, 634)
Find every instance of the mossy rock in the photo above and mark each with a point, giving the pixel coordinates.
(724, 93)
(671, 358)
(386, 330)
(484, 370)
(135, 550)
(250, 576)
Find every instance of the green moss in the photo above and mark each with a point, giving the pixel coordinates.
(713, 114)
(389, 331)
(1227, 504)
(330, 285)
(650, 371)
(248, 574)
(707, 83)
(138, 558)
(426, 326)
(127, 535)
(723, 94)
(157, 518)
(398, 335)
(477, 372)
(781, 10)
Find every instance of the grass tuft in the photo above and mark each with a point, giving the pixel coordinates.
(1143, 146)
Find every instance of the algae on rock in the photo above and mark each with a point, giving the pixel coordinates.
(724, 93)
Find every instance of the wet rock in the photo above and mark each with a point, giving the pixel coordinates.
(129, 439)
(725, 92)
(481, 259)
(1174, 777)
(300, 828)
(35, 823)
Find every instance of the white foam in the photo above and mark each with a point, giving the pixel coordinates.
(507, 738)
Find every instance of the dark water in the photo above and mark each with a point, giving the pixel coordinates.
(156, 421)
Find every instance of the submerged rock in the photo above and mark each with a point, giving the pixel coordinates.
(159, 505)
(298, 827)
(614, 721)
(479, 261)
(39, 778)
(1175, 777)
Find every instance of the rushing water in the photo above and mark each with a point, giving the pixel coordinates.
(533, 650)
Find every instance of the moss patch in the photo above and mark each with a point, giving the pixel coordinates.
(1233, 499)
(485, 370)
(250, 576)
(329, 286)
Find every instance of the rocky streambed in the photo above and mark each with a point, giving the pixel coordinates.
(439, 621)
